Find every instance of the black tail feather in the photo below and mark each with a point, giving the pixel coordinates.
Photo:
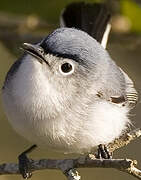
(91, 18)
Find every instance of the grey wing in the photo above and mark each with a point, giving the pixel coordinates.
(131, 93)
(127, 97)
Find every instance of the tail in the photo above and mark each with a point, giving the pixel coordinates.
(91, 18)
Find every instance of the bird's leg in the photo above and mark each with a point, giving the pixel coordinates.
(103, 152)
(25, 164)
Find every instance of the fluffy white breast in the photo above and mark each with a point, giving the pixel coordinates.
(35, 111)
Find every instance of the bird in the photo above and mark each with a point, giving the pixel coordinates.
(65, 93)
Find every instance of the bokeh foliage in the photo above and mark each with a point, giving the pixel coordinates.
(133, 11)
(50, 9)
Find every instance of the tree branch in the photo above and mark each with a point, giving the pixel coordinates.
(124, 140)
(68, 166)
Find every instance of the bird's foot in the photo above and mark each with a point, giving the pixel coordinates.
(25, 163)
(103, 152)
(24, 166)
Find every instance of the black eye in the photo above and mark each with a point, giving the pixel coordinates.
(66, 67)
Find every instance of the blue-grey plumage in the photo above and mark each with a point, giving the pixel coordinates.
(66, 93)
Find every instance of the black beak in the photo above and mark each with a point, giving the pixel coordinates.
(35, 50)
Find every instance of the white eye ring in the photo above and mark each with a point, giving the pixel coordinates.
(66, 68)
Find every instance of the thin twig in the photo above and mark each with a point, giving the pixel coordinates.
(68, 166)
(124, 140)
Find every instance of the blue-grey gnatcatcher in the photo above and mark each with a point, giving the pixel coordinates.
(66, 93)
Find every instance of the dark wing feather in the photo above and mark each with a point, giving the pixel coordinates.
(131, 93)
(131, 96)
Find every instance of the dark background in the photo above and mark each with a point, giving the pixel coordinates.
(29, 21)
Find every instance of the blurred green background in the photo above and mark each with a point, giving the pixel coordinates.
(29, 21)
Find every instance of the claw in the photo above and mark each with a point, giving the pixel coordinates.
(24, 166)
(25, 163)
(103, 152)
